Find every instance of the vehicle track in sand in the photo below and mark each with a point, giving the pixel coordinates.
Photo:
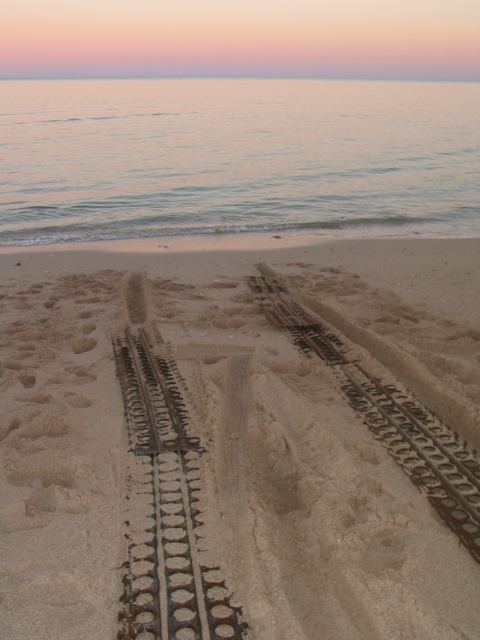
(436, 459)
(169, 591)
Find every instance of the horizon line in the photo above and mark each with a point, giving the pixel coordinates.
(239, 77)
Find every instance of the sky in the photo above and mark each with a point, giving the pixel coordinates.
(371, 39)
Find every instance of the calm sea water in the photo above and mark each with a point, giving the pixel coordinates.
(87, 160)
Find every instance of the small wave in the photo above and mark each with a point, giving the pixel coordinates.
(148, 227)
(470, 210)
(54, 120)
(126, 116)
(345, 174)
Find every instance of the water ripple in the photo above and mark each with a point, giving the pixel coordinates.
(164, 158)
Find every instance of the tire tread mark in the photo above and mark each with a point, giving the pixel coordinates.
(435, 458)
(168, 592)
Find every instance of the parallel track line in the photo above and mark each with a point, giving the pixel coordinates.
(168, 593)
(437, 461)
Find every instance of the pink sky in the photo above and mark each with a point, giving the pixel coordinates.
(346, 38)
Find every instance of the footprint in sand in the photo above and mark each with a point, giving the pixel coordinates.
(243, 298)
(369, 455)
(8, 425)
(94, 300)
(82, 344)
(88, 328)
(23, 335)
(303, 265)
(50, 303)
(34, 398)
(40, 467)
(51, 600)
(28, 346)
(228, 323)
(466, 334)
(85, 314)
(76, 400)
(23, 305)
(82, 375)
(386, 551)
(35, 289)
(27, 379)
(14, 517)
(43, 424)
(45, 322)
(42, 500)
(223, 284)
(14, 365)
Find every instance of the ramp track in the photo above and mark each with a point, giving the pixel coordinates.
(435, 458)
(169, 593)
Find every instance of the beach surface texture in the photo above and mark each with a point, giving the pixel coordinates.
(273, 506)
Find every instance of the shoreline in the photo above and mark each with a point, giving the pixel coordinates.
(222, 242)
(210, 242)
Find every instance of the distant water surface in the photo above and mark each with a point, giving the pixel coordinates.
(91, 160)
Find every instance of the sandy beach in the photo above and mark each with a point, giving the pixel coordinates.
(317, 530)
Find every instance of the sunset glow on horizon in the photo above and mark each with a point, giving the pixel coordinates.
(302, 38)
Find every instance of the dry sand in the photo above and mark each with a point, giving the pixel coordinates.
(320, 534)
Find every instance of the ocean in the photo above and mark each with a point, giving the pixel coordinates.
(86, 160)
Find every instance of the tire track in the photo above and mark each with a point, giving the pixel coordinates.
(169, 593)
(136, 300)
(232, 453)
(436, 459)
